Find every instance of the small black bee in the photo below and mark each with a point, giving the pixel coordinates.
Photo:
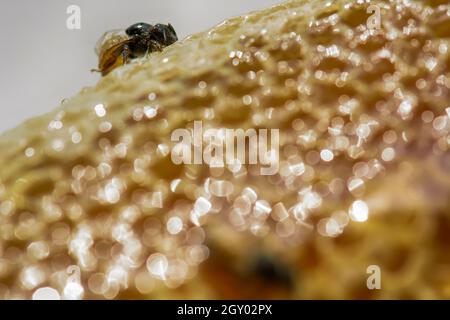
(116, 47)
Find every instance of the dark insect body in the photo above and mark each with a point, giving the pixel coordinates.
(117, 47)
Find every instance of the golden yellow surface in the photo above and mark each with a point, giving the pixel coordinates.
(92, 184)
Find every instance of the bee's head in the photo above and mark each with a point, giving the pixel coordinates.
(139, 29)
(164, 34)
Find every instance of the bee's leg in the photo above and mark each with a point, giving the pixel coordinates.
(125, 54)
(150, 47)
(157, 46)
(153, 46)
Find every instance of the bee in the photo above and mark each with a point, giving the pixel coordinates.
(117, 47)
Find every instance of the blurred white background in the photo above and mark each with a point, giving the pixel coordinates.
(43, 62)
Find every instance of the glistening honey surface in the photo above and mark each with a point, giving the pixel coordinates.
(364, 175)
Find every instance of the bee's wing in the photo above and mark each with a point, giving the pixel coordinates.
(109, 37)
(110, 57)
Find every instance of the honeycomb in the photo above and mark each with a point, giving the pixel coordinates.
(93, 207)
